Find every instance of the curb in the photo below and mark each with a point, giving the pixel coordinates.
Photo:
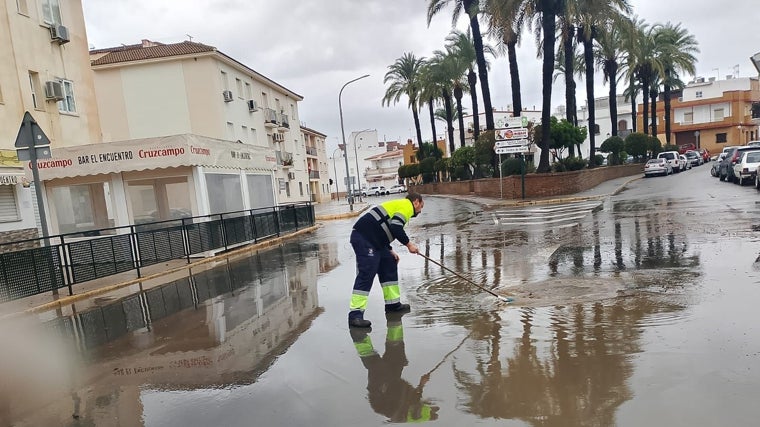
(105, 289)
(344, 215)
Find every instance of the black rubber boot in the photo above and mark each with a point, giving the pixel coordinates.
(359, 323)
(397, 308)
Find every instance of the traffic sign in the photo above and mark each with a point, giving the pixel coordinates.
(24, 154)
(512, 150)
(35, 138)
(511, 143)
(513, 122)
(514, 133)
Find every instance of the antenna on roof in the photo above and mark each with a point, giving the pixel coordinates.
(189, 37)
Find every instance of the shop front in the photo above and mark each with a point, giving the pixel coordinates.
(146, 180)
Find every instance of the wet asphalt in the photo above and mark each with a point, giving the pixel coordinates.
(637, 309)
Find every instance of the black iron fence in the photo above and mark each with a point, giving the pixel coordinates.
(72, 258)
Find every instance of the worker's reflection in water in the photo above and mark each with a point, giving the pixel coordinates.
(389, 394)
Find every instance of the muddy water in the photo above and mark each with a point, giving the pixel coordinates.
(638, 310)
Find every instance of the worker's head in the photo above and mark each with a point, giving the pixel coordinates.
(417, 202)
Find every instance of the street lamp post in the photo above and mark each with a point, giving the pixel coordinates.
(356, 157)
(345, 148)
(337, 189)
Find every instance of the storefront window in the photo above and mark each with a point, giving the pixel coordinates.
(224, 193)
(83, 207)
(159, 199)
(260, 191)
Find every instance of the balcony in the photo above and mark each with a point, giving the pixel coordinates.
(284, 159)
(284, 122)
(314, 175)
(270, 118)
(311, 151)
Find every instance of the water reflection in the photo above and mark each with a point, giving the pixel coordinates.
(389, 394)
(559, 366)
(212, 329)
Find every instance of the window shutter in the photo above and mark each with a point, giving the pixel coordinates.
(8, 207)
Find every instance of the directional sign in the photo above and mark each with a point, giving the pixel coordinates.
(512, 150)
(513, 122)
(506, 134)
(511, 143)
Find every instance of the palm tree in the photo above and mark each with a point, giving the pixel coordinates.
(644, 61)
(545, 11)
(567, 36)
(610, 57)
(506, 23)
(441, 73)
(472, 9)
(430, 93)
(592, 14)
(677, 48)
(404, 78)
(461, 45)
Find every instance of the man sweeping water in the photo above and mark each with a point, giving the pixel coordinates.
(371, 239)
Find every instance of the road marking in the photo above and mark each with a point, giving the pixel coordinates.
(557, 216)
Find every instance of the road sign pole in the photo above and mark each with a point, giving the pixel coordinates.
(501, 179)
(522, 174)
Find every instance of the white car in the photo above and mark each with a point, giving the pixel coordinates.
(657, 167)
(396, 189)
(745, 169)
(673, 158)
(375, 191)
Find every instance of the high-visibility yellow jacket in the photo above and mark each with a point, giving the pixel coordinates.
(384, 223)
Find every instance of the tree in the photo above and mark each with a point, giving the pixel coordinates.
(636, 144)
(443, 73)
(677, 49)
(461, 44)
(613, 145)
(472, 9)
(610, 57)
(546, 11)
(506, 19)
(463, 162)
(404, 78)
(430, 93)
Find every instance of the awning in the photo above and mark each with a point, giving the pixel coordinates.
(11, 178)
(152, 153)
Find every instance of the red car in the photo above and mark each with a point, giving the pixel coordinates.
(683, 148)
(705, 154)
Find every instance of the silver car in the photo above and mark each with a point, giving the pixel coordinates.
(745, 169)
(658, 166)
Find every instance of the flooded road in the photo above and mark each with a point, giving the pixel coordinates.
(634, 310)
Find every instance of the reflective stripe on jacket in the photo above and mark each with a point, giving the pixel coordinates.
(384, 223)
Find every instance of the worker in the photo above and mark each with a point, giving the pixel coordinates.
(371, 239)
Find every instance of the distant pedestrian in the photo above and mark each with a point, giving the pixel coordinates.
(371, 239)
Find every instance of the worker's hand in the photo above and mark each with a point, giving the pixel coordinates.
(395, 256)
(412, 248)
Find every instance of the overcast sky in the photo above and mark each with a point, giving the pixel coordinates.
(313, 47)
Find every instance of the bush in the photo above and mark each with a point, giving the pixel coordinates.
(569, 164)
(511, 166)
(598, 160)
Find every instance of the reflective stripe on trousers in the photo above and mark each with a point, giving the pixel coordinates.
(371, 262)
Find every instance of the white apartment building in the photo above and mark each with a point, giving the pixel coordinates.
(46, 71)
(383, 169)
(603, 122)
(361, 146)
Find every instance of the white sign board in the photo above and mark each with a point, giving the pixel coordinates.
(511, 143)
(512, 150)
(513, 122)
(507, 134)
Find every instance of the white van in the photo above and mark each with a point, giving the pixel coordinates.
(673, 158)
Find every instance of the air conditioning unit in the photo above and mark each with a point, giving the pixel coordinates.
(54, 90)
(291, 175)
(252, 105)
(59, 34)
(227, 94)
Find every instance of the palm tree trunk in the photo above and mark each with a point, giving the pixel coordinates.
(548, 27)
(460, 116)
(514, 76)
(481, 60)
(613, 67)
(419, 131)
(571, 113)
(653, 95)
(449, 124)
(667, 114)
(633, 104)
(472, 80)
(644, 90)
(588, 55)
(432, 121)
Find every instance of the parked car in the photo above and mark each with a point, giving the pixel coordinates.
(398, 188)
(745, 169)
(694, 158)
(714, 168)
(683, 148)
(726, 168)
(705, 153)
(673, 158)
(375, 191)
(658, 166)
(753, 144)
(685, 163)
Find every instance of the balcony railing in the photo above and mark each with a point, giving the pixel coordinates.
(314, 175)
(284, 122)
(312, 151)
(270, 117)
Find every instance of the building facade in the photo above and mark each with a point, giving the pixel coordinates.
(316, 159)
(711, 113)
(46, 71)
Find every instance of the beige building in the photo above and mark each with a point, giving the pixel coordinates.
(46, 71)
(316, 162)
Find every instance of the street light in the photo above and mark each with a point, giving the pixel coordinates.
(337, 189)
(345, 148)
(356, 157)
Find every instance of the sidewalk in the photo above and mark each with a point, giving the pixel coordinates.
(339, 209)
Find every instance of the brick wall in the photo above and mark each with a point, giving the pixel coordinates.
(16, 236)
(536, 185)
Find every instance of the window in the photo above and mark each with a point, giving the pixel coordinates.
(225, 82)
(244, 133)
(34, 84)
(300, 187)
(224, 193)
(698, 94)
(253, 135)
(239, 87)
(51, 12)
(718, 114)
(688, 117)
(8, 205)
(230, 131)
(82, 207)
(67, 104)
(596, 129)
(22, 7)
(721, 138)
(248, 93)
